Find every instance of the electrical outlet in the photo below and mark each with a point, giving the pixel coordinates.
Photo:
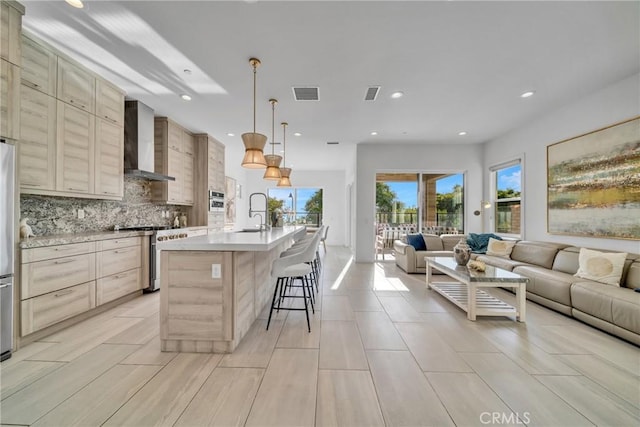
(80, 213)
(216, 271)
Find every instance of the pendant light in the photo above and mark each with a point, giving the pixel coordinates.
(273, 160)
(285, 172)
(254, 142)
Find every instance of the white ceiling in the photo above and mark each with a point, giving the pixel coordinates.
(461, 65)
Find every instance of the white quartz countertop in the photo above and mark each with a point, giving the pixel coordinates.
(231, 241)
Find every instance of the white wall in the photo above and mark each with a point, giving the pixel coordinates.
(610, 105)
(374, 158)
(334, 197)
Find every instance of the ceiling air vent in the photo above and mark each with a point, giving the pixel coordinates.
(332, 143)
(372, 93)
(306, 93)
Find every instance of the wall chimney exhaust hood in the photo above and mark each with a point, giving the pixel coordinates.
(138, 142)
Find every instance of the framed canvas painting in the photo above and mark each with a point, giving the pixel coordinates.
(593, 183)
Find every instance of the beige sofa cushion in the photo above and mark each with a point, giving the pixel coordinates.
(450, 240)
(549, 284)
(567, 262)
(433, 242)
(504, 263)
(619, 306)
(536, 253)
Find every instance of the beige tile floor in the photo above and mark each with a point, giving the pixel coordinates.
(383, 351)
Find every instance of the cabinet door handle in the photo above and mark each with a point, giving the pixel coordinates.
(74, 189)
(123, 251)
(25, 184)
(110, 119)
(64, 262)
(62, 293)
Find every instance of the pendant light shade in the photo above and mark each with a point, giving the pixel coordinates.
(273, 160)
(285, 172)
(254, 142)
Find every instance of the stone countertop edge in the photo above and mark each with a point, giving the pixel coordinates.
(231, 241)
(64, 239)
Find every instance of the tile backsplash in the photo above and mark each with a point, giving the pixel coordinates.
(59, 215)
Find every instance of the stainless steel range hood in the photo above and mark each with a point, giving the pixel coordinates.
(138, 142)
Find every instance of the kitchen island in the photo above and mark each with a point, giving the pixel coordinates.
(214, 287)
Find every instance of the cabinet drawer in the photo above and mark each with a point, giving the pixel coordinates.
(118, 260)
(120, 243)
(117, 285)
(46, 310)
(41, 277)
(50, 252)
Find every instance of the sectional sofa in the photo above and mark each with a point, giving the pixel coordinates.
(551, 268)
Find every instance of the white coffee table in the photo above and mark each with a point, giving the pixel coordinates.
(465, 293)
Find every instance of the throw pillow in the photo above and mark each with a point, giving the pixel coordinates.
(501, 248)
(416, 241)
(603, 267)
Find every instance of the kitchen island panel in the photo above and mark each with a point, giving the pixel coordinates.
(196, 306)
(201, 314)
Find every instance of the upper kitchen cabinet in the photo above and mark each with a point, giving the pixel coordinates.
(76, 86)
(10, 28)
(9, 100)
(37, 148)
(75, 149)
(38, 66)
(109, 162)
(173, 157)
(187, 167)
(109, 102)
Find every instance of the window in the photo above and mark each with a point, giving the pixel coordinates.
(297, 205)
(507, 197)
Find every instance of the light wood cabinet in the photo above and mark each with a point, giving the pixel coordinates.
(115, 286)
(174, 156)
(119, 266)
(68, 150)
(75, 150)
(187, 168)
(208, 176)
(51, 275)
(46, 310)
(109, 102)
(37, 148)
(61, 281)
(56, 283)
(76, 86)
(9, 100)
(38, 66)
(10, 30)
(109, 162)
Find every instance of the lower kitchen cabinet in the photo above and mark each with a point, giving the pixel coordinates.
(62, 281)
(117, 285)
(49, 309)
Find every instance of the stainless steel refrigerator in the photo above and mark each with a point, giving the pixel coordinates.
(7, 246)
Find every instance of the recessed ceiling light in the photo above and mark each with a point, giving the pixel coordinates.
(374, 133)
(185, 97)
(75, 3)
(527, 94)
(396, 95)
(231, 134)
(297, 134)
(462, 133)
